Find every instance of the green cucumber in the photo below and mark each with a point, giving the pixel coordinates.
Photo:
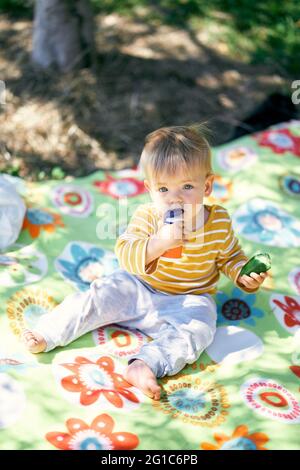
(259, 263)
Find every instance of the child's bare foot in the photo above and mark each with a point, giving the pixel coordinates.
(33, 341)
(141, 376)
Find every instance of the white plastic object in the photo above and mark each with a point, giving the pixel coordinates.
(12, 212)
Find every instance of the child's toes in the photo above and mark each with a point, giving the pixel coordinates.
(30, 343)
(34, 343)
(27, 337)
(155, 389)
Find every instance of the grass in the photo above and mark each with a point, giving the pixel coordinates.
(17, 7)
(265, 31)
(258, 32)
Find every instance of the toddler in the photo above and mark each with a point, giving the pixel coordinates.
(166, 297)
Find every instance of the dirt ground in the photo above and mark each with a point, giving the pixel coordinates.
(147, 77)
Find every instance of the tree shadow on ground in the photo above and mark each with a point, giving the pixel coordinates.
(146, 77)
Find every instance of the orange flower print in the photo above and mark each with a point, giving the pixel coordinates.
(240, 440)
(223, 189)
(91, 379)
(98, 436)
(38, 219)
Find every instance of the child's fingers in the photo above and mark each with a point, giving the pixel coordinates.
(253, 280)
(258, 277)
(186, 234)
(255, 276)
(264, 275)
(248, 281)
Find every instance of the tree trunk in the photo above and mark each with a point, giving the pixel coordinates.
(63, 34)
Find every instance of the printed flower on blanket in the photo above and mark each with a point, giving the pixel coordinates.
(239, 440)
(119, 188)
(26, 306)
(98, 436)
(41, 219)
(16, 269)
(290, 184)
(238, 307)
(280, 141)
(15, 362)
(73, 200)
(222, 190)
(81, 263)
(234, 159)
(286, 309)
(119, 341)
(265, 222)
(295, 370)
(194, 399)
(23, 265)
(272, 400)
(93, 379)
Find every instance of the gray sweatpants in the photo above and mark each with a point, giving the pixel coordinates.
(182, 325)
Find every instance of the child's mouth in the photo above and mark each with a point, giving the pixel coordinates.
(172, 214)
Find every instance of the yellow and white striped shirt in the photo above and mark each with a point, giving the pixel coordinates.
(198, 269)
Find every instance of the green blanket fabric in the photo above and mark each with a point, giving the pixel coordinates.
(242, 393)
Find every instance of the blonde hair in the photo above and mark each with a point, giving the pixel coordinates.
(171, 148)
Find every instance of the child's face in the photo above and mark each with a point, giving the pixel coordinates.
(182, 190)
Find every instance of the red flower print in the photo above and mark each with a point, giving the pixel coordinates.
(279, 140)
(121, 187)
(91, 379)
(291, 309)
(295, 370)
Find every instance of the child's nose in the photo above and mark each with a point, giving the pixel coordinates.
(175, 199)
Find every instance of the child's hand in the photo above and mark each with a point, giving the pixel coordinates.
(172, 235)
(253, 281)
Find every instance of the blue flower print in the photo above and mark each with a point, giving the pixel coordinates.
(237, 308)
(81, 263)
(264, 222)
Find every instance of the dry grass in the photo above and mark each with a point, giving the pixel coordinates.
(147, 77)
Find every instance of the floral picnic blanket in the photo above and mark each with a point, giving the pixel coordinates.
(242, 393)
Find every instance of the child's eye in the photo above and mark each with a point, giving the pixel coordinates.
(163, 187)
(190, 186)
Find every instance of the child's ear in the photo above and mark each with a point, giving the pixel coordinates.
(208, 187)
(147, 185)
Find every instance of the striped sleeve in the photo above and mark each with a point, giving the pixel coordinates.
(131, 246)
(231, 258)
